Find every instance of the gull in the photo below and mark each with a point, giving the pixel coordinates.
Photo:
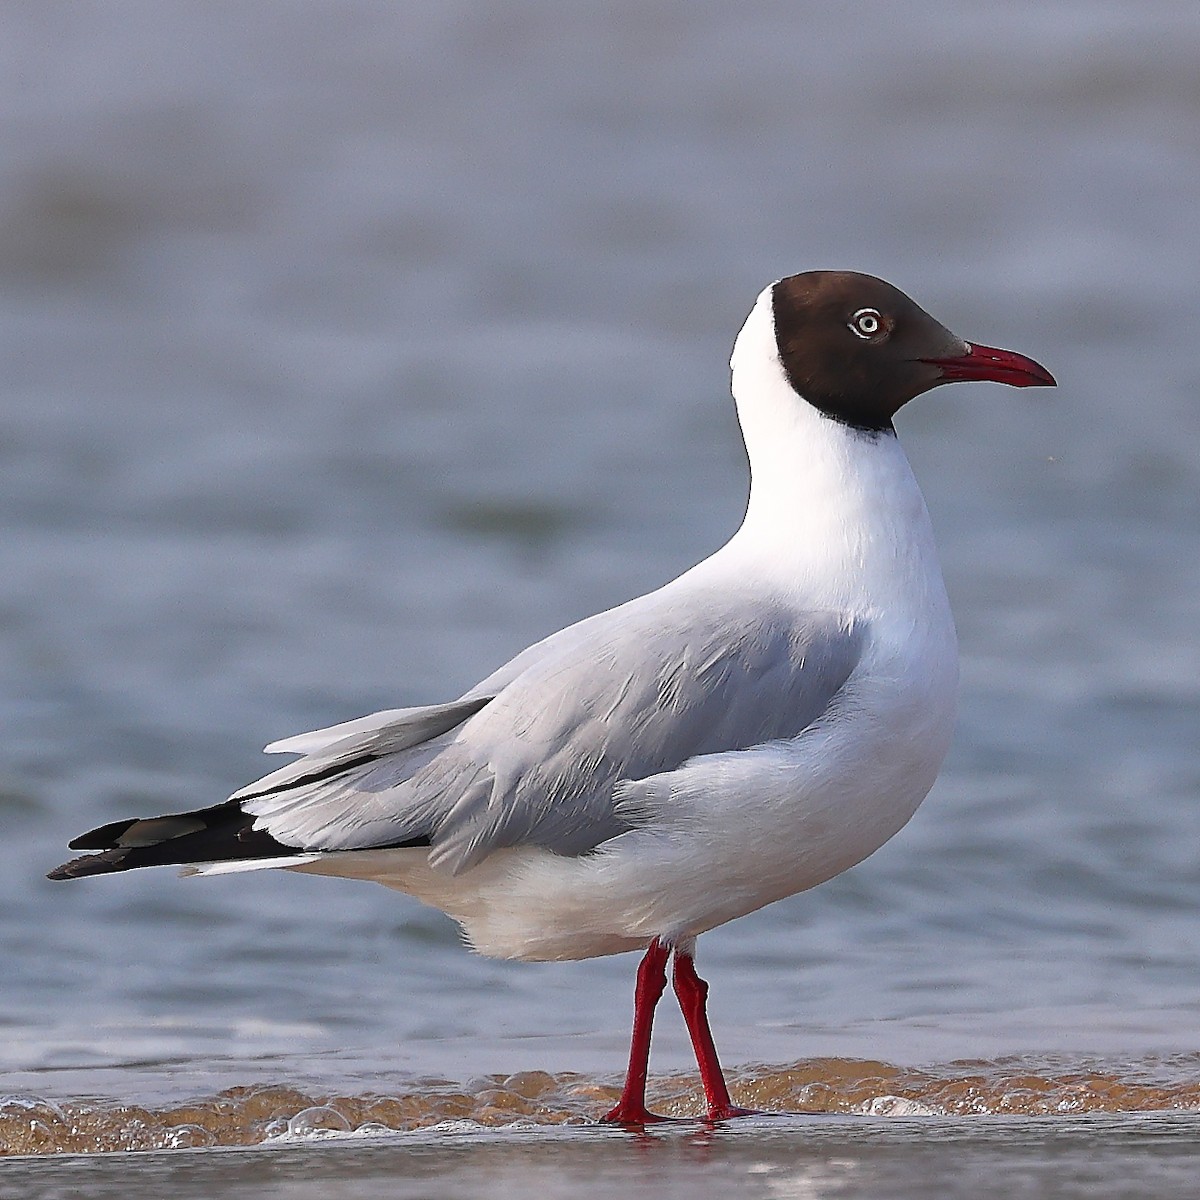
(747, 731)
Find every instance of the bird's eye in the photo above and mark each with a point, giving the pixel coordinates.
(866, 323)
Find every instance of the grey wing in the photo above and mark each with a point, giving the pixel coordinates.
(631, 693)
(639, 697)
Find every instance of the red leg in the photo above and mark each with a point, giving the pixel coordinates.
(693, 995)
(651, 981)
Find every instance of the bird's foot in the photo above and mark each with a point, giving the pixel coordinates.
(632, 1115)
(726, 1112)
(636, 1116)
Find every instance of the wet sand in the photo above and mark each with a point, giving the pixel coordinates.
(1101, 1157)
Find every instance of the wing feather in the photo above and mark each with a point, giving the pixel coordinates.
(537, 753)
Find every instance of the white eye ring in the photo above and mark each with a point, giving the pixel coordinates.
(866, 323)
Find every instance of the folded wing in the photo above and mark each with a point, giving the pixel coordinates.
(539, 763)
(537, 753)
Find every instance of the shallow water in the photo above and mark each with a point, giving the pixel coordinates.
(350, 348)
(283, 1113)
(780, 1157)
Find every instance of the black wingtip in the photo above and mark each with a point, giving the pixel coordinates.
(90, 864)
(215, 834)
(103, 838)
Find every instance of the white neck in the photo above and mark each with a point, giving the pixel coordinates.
(834, 514)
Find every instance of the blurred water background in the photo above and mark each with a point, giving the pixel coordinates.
(349, 347)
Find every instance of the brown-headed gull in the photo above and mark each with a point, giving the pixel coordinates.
(745, 732)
